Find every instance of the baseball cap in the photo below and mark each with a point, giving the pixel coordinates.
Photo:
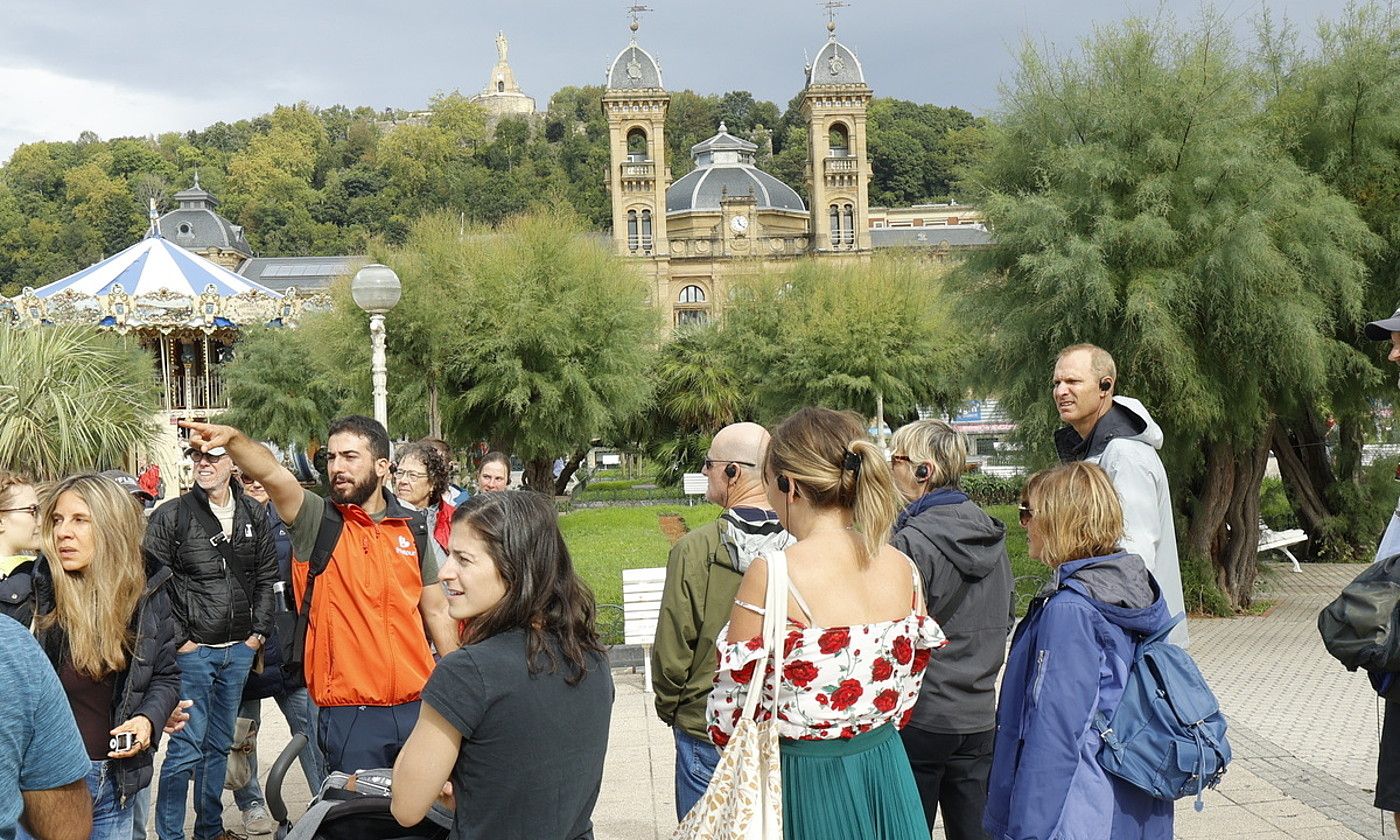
(128, 483)
(1381, 330)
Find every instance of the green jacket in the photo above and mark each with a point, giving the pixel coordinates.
(702, 577)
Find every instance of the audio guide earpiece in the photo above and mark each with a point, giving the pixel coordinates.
(784, 484)
(1105, 384)
(731, 471)
(921, 472)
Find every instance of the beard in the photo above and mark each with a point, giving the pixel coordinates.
(357, 493)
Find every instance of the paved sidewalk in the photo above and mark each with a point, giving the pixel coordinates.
(1303, 731)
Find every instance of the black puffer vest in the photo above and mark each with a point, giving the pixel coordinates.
(150, 685)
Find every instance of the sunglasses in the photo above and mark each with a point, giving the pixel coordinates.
(32, 510)
(247, 479)
(1026, 514)
(196, 456)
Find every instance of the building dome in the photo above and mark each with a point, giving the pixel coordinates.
(724, 167)
(634, 69)
(835, 65)
(196, 224)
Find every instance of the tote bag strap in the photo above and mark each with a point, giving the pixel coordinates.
(775, 601)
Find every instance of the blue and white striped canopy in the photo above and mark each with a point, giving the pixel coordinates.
(151, 265)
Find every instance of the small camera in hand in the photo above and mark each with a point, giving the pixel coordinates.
(123, 742)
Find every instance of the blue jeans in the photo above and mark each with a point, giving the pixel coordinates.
(300, 713)
(109, 820)
(695, 764)
(140, 812)
(213, 678)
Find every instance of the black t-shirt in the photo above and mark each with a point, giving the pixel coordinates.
(532, 751)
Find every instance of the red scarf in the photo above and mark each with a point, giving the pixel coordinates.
(442, 528)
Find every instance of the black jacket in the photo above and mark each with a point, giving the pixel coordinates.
(210, 601)
(150, 685)
(951, 543)
(17, 593)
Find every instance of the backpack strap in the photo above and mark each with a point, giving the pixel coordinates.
(326, 538)
(190, 507)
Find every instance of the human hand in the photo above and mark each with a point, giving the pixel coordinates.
(446, 799)
(207, 436)
(178, 717)
(253, 642)
(139, 727)
(187, 647)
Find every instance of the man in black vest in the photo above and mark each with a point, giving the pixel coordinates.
(217, 543)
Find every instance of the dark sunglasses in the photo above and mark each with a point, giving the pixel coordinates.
(196, 456)
(32, 510)
(247, 479)
(1026, 514)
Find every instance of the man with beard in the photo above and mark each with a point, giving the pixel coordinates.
(373, 589)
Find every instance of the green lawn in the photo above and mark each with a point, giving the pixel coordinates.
(605, 541)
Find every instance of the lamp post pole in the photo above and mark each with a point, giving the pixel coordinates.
(376, 290)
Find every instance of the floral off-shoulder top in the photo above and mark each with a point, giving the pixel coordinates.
(837, 682)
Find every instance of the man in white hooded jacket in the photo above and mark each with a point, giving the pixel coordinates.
(1120, 436)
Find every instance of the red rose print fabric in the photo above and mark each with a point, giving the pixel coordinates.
(837, 682)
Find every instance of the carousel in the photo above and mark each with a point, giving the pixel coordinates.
(183, 308)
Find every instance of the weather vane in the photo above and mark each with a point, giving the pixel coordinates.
(635, 12)
(831, 6)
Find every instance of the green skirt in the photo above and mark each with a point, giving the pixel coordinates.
(859, 788)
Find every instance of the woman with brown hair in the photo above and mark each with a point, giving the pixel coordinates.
(856, 644)
(105, 622)
(19, 539)
(1069, 660)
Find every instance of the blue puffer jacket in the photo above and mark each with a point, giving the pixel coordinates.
(1070, 658)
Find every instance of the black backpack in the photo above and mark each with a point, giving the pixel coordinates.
(1361, 628)
(291, 626)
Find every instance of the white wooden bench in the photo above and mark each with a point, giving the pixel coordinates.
(641, 606)
(694, 484)
(1280, 541)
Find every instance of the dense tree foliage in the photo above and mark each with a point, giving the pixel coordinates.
(73, 399)
(306, 181)
(1143, 204)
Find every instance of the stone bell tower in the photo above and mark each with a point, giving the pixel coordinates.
(834, 104)
(635, 105)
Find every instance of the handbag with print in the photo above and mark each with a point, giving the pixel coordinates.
(744, 800)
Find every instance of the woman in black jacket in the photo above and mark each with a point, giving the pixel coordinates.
(961, 554)
(104, 619)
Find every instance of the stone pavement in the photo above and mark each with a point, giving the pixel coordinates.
(1304, 733)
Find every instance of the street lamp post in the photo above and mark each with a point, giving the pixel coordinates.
(376, 290)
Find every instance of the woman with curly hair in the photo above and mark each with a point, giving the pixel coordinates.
(420, 479)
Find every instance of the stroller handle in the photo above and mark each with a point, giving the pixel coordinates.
(275, 806)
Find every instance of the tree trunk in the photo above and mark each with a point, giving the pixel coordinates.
(570, 467)
(1308, 481)
(434, 412)
(1225, 522)
(539, 475)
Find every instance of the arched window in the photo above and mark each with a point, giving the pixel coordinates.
(839, 140)
(631, 230)
(848, 224)
(646, 230)
(500, 87)
(637, 146)
(835, 216)
(691, 294)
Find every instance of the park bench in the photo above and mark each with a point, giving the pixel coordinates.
(1280, 541)
(694, 484)
(641, 606)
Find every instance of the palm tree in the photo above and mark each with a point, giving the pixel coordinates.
(72, 399)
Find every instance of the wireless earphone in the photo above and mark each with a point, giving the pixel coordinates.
(921, 472)
(731, 471)
(784, 484)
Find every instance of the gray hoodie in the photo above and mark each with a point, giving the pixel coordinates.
(951, 543)
(1125, 442)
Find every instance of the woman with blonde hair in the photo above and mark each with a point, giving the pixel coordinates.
(857, 642)
(961, 555)
(1069, 660)
(106, 624)
(19, 539)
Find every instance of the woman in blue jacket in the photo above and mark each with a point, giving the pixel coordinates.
(1069, 659)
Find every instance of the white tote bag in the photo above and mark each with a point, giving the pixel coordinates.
(744, 800)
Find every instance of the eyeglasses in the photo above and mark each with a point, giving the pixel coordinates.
(32, 510)
(896, 459)
(247, 479)
(411, 475)
(1026, 514)
(709, 463)
(196, 456)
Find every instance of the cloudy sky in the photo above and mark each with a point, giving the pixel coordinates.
(122, 67)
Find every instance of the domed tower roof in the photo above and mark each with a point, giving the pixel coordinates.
(634, 69)
(196, 224)
(724, 167)
(835, 64)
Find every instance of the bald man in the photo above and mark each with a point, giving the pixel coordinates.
(702, 575)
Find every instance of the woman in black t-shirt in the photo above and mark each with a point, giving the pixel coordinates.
(517, 718)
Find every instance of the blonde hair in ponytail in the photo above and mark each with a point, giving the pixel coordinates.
(811, 446)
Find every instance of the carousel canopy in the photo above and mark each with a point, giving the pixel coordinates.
(156, 283)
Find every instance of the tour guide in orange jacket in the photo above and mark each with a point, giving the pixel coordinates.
(367, 658)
